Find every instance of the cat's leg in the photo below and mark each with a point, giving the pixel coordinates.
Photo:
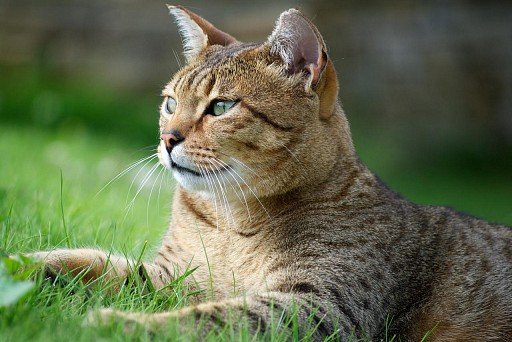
(93, 264)
(259, 311)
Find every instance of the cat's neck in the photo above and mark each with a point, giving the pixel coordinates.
(346, 181)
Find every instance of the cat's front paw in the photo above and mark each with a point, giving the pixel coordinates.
(107, 317)
(148, 323)
(52, 266)
(49, 264)
(84, 264)
(31, 265)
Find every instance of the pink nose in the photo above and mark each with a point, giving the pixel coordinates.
(171, 138)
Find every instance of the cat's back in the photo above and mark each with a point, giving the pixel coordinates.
(435, 268)
(465, 237)
(471, 284)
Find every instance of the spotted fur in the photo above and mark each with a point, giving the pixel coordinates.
(276, 205)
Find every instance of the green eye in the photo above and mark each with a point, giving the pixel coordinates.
(220, 107)
(170, 105)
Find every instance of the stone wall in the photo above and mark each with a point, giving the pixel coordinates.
(442, 70)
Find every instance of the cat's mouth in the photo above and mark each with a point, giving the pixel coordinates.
(204, 173)
(200, 179)
(183, 169)
(192, 175)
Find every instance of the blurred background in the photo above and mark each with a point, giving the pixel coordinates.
(427, 87)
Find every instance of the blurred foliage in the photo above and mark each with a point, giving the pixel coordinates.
(13, 279)
(36, 97)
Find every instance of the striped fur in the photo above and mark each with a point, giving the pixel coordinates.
(294, 219)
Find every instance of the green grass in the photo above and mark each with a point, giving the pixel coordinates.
(31, 218)
(53, 164)
(468, 177)
(36, 210)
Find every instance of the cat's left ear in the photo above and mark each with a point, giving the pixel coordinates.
(197, 33)
(299, 44)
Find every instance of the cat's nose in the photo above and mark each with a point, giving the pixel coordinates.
(171, 138)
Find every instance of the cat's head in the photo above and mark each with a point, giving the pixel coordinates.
(244, 118)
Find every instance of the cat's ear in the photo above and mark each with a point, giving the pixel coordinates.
(197, 33)
(299, 44)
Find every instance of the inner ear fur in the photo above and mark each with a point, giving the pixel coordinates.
(197, 33)
(299, 44)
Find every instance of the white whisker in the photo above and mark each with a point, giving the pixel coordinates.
(251, 190)
(220, 166)
(216, 195)
(204, 173)
(226, 205)
(227, 168)
(125, 171)
(145, 148)
(137, 174)
(222, 178)
(160, 186)
(291, 153)
(302, 168)
(151, 193)
(239, 162)
(212, 189)
(177, 58)
(144, 181)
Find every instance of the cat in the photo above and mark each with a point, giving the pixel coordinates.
(272, 200)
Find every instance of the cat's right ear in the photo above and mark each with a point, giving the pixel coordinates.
(197, 33)
(299, 45)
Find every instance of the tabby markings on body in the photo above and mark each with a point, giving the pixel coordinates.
(271, 190)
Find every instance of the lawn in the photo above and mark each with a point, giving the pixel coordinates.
(61, 144)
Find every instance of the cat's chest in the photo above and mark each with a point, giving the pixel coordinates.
(235, 256)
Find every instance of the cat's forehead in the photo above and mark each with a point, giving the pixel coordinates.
(215, 61)
(216, 53)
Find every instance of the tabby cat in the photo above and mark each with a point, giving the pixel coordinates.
(273, 201)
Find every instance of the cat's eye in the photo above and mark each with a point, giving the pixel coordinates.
(219, 107)
(170, 105)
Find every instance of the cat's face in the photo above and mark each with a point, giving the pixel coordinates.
(235, 121)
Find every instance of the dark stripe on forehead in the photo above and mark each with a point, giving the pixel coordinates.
(211, 83)
(218, 55)
(193, 75)
(175, 85)
(205, 72)
(236, 49)
(212, 58)
(266, 119)
(186, 79)
(179, 83)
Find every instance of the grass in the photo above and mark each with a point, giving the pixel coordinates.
(34, 213)
(54, 164)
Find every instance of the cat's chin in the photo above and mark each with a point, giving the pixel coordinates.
(193, 183)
